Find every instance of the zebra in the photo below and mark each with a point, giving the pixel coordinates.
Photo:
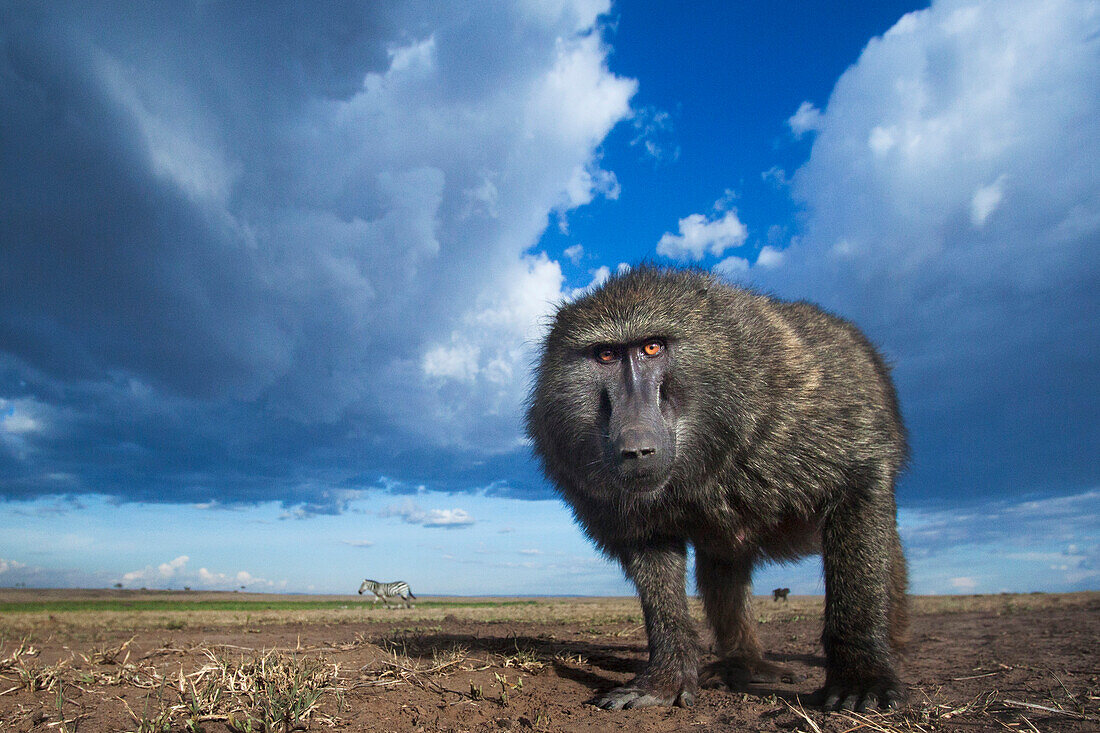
(397, 588)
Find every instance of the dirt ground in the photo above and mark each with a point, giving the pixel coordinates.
(1008, 662)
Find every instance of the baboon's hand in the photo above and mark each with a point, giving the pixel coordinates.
(884, 692)
(646, 692)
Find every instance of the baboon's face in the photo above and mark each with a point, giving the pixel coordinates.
(636, 414)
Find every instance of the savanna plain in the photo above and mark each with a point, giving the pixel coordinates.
(114, 660)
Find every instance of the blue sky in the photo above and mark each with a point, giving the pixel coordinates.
(270, 281)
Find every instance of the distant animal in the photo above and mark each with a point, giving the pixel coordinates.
(385, 591)
(670, 407)
(780, 594)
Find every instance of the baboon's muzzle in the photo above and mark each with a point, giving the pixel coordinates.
(641, 447)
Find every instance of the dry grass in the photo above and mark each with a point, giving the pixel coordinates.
(986, 711)
(415, 659)
(269, 691)
(266, 691)
(283, 689)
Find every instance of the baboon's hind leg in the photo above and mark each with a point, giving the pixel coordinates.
(725, 585)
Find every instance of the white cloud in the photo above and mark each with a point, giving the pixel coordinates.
(357, 543)
(599, 276)
(447, 518)
(418, 56)
(775, 176)
(807, 118)
(213, 579)
(653, 133)
(769, 257)
(881, 140)
(586, 183)
(732, 267)
(985, 202)
(21, 421)
(457, 361)
(174, 574)
(16, 423)
(323, 500)
(168, 569)
(412, 513)
(10, 565)
(945, 106)
(578, 101)
(484, 197)
(483, 364)
(699, 236)
(574, 253)
(964, 584)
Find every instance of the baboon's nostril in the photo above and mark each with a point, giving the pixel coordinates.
(635, 453)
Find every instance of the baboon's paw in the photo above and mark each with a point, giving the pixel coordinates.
(738, 671)
(640, 695)
(885, 693)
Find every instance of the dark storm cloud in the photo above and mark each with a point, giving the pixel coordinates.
(233, 236)
(112, 262)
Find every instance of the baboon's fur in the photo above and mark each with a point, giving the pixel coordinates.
(786, 440)
(780, 594)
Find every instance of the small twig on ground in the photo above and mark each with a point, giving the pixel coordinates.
(1046, 709)
(1058, 679)
(801, 712)
(974, 677)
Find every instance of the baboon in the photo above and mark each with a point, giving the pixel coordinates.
(670, 407)
(781, 593)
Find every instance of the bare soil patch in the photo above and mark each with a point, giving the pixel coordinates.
(1008, 662)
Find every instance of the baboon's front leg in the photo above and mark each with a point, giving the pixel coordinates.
(857, 541)
(672, 674)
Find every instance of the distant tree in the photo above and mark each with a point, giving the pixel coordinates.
(118, 585)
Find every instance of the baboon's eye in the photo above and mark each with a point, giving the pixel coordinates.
(653, 347)
(606, 354)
